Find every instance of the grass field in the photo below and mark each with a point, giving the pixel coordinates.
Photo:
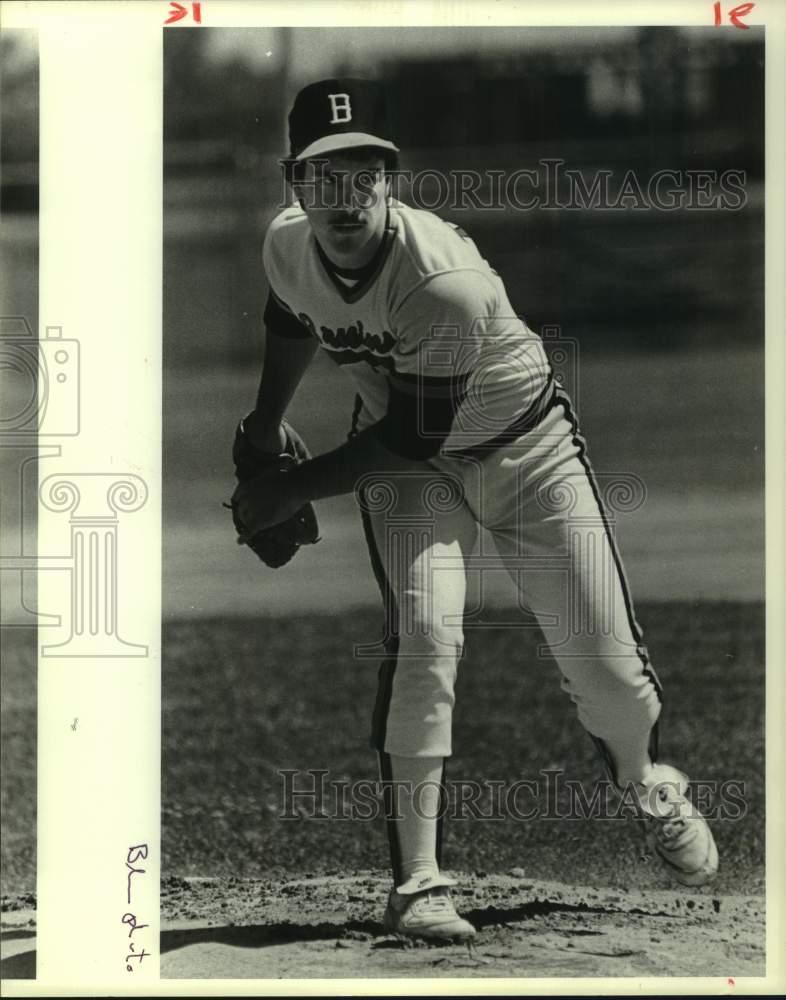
(243, 702)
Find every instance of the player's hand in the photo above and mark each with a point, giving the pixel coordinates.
(267, 499)
(268, 513)
(264, 437)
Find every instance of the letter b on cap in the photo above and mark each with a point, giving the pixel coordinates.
(341, 109)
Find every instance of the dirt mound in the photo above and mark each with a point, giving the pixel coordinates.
(329, 927)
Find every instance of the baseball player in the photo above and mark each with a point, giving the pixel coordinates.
(459, 423)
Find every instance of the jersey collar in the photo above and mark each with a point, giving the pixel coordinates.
(365, 275)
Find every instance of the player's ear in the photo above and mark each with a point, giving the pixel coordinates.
(391, 173)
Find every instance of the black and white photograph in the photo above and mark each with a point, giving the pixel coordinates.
(466, 326)
(392, 498)
(23, 399)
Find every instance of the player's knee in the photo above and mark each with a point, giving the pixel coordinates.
(638, 707)
(424, 627)
(431, 638)
(643, 713)
(615, 704)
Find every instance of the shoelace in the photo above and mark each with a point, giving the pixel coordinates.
(434, 902)
(671, 829)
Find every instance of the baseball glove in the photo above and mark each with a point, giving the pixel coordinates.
(275, 545)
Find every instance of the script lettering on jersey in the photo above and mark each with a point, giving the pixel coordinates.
(354, 337)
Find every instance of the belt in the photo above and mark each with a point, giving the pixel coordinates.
(528, 421)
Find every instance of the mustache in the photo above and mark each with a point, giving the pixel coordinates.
(346, 218)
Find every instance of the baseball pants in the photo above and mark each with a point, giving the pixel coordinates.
(539, 499)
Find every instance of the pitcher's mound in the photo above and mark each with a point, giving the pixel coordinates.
(329, 927)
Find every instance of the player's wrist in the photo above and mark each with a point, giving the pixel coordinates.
(298, 484)
(264, 434)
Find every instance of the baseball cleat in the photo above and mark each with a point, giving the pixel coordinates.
(423, 908)
(677, 832)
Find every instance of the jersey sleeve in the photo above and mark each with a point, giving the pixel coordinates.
(280, 320)
(442, 324)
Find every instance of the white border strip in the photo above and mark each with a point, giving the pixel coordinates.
(99, 500)
(101, 282)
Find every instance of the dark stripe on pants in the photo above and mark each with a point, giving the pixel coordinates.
(379, 718)
(389, 802)
(635, 628)
(443, 808)
(388, 666)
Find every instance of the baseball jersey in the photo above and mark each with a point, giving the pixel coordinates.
(427, 318)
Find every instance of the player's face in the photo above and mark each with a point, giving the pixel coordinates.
(344, 198)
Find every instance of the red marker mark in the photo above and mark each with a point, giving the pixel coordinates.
(735, 14)
(177, 11)
(730, 981)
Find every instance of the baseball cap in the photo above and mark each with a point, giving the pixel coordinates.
(338, 114)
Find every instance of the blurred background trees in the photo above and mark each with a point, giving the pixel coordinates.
(617, 99)
(613, 99)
